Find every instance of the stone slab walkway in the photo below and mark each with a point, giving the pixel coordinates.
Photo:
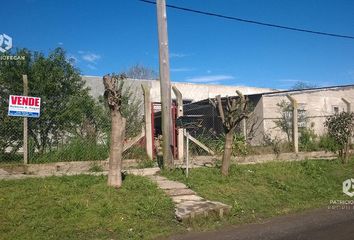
(188, 203)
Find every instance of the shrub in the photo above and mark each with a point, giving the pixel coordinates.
(340, 127)
(328, 143)
(307, 140)
(239, 146)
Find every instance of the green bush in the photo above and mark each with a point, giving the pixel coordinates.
(308, 140)
(239, 146)
(328, 143)
(340, 127)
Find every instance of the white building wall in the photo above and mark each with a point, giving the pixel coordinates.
(318, 105)
(190, 91)
(255, 124)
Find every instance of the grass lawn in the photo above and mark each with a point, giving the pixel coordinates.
(260, 191)
(83, 207)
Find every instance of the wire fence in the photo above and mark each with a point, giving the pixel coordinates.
(76, 126)
(209, 129)
(72, 127)
(267, 130)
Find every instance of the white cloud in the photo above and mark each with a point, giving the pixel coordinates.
(91, 57)
(213, 83)
(182, 69)
(209, 78)
(72, 59)
(60, 43)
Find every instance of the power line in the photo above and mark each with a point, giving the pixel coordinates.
(252, 21)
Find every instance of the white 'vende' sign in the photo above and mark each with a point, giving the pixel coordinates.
(24, 106)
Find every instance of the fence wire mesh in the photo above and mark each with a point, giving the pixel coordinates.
(73, 125)
(209, 128)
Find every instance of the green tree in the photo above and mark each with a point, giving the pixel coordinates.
(286, 115)
(285, 120)
(65, 102)
(11, 83)
(340, 127)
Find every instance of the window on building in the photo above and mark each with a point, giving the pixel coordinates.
(335, 109)
(301, 116)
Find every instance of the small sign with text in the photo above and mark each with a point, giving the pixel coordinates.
(24, 106)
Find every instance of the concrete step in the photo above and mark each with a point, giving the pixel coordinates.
(190, 209)
(188, 203)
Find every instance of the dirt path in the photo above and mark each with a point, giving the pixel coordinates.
(320, 224)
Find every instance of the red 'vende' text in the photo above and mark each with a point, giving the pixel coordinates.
(28, 101)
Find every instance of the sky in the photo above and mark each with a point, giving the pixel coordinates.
(110, 36)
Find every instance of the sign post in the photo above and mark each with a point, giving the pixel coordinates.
(25, 123)
(24, 106)
(188, 122)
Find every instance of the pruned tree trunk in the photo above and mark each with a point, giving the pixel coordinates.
(113, 95)
(226, 158)
(116, 149)
(231, 116)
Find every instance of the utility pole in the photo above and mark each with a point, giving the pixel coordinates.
(165, 84)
